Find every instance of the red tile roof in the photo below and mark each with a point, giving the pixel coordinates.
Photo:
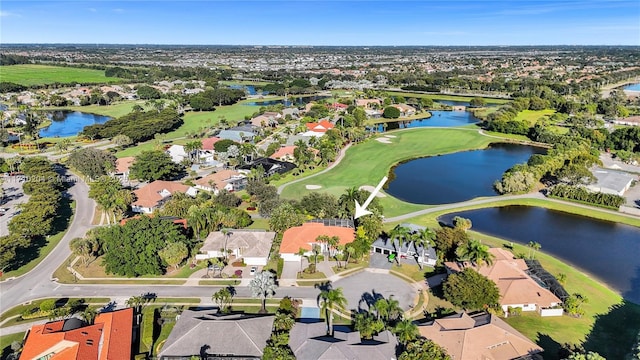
(123, 164)
(303, 236)
(109, 338)
(321, 126)
(283, 152)
(207, 144)
(149, 195)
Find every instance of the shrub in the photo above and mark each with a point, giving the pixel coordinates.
(48, 305)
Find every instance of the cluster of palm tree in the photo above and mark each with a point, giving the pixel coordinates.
(534, 246)
(111, 197)
(224, 298)
(330, 300)
(386, 314)
(474, 252)
(420, 238)
(207, 219)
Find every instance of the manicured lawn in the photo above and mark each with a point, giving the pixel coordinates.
(258, 223)
(32, 256)
(114, 110)
(508, 136)
(95, 270)
(5, 343)
(532, 116)
(368, 162)
(315, 275)
(43, 74)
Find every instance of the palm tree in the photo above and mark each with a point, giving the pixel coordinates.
(535, 246)
(263, 285)
(382, 309)
(406, 331)
(475, 252)
(423, 237)
(331, 299)
(347, 201)
(89, 315)
(283, 322)
(301, 253)
(316, 251)
(197, 220)
(402, 234)
(227, 234)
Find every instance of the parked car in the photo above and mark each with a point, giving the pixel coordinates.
(4, 210)
(253, 270)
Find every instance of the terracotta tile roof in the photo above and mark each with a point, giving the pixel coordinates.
(217, 178)
(283, 152)
(303, 236)
(207, 144)
(123, 164)
(516, 287)
(480, 336)
(321, 126)
(149, 195)
(109, 338)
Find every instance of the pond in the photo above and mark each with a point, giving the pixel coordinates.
(607, 250)
(456, 177)
(632, 87)
(70, 123)
(437, 119)
(302, 100)
(250, 89)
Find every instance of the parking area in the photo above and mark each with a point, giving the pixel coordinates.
(365, 288)
(13, 195)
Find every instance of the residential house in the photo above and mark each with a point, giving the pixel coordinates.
(177, 153)
(270, 166)
(611, 182)
(517, 288)
(630, 121)
(309, 340)
(268, 118)
(251, 245)
(207, 335)
(284, 153)
(304, 237)
(369, 103)
(122, 168)
(208, 143)
(151, 196)
(237, 135)
(320, 127)
(424, 255)
(373, 113)
(338, 107)
(294, 112)
(479, 336)
(229, 180)
(405, 110)
(108, 338)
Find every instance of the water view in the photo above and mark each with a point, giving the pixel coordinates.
(303, 100)
(605, 249)
(437, 119)
(70, 123)
(632, 87)
(250, 89)
(456, 177)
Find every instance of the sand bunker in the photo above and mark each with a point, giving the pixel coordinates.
(370, 188)
(313, 187)
(390, 136)
(383, 140)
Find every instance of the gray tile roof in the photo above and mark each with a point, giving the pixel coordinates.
(238, 334)
(309, 341)
(254, 243)
(386, 243)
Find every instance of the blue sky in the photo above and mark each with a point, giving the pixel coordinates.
(425, 22)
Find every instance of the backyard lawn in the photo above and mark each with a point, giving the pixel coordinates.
(369, 162)
(532, 116)
(43, 74)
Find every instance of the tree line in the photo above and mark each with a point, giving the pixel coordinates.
(581, 194)
(137, 125)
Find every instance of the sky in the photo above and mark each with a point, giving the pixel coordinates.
(337, 22)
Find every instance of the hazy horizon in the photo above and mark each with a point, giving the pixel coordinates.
(323, 23)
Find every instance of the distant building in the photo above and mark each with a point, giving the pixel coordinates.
(424, 255)
(177, 153)
(122, 168)
(270, 166)
(251, 245)
(229, 180)
(153, 195)
(304, 237)
(237, 136)
(109, 338)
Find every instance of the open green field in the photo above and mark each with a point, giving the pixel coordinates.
(367, 163)
(434, 97)
(28, 75)
(532, 116)
(114, 110)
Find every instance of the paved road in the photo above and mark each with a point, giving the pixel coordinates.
(37, 282)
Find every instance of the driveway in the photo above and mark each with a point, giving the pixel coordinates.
(367, 286)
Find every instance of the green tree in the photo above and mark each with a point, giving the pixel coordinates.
(462, 223)
(122, 140)
(107, 192)
(447, 240)
(573, 305)
(391, 112)
(474, 252)
(262, 286)
(330, 300)
(406, 331)
(423, 238)
(477, 102)
(92, 162)
(89, 315)
(133, 249)
(423, 349)
(285, 216)
(147, 92)
(223, 298)
(367, 324)
(153, 165)
(174, 253)
(470, 290)
(534, 246)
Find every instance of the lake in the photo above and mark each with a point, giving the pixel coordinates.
(70, 123)
(607, 250)
(456, 177)
(250, 89)
(438, 119)
(632, 87)
(303, 100)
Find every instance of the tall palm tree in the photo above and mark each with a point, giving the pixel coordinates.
(475, 252)
(424, 238)
(89, 315)
(535, 246)
(227, 234)
(402, 234)
(406, 331)
(196, 218)
(331, 299)
(283, 322)
(263, 285)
